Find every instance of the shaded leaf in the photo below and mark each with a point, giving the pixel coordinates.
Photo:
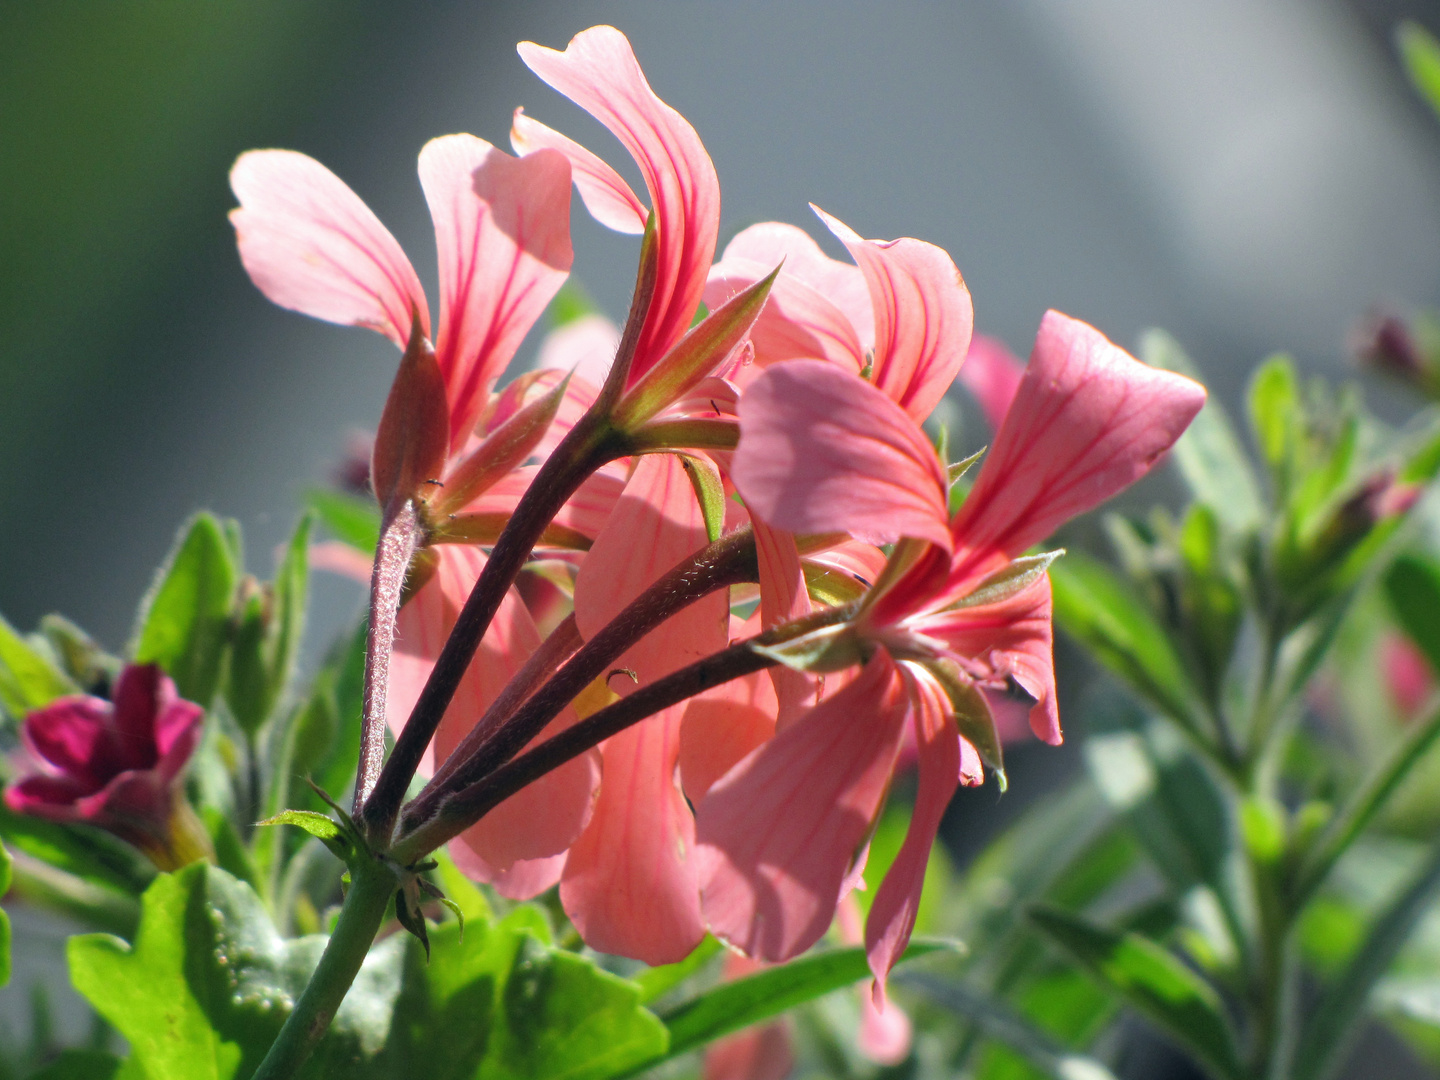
(1420, 54)
(1412, 585)
(349, 518)
(654, 983)
(1151, 980)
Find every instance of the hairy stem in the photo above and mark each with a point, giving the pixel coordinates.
(387, 581)
(729, 560)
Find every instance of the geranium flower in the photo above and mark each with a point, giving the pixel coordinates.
(116, 765)
(953, 611)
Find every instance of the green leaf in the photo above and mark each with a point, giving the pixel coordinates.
(350, 518)
(570, 303)
(1100, 611)
(1276, 418)
(184, 619)
(1152, 980)
(208, 983)
(654, 983)
(1412, 585)
(503, 1004)
(88, 853)
(28, 680)
(1420, 55)
(267, 639)
(1332, 1026)
(1209, 454)
(142, 990)
(325, 830)
(735, 1005)
(998, 1022)
(84, 661)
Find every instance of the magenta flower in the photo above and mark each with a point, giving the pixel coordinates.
(116, 764)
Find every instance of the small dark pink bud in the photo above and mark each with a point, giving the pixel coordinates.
(116, 765)
(1384, 341)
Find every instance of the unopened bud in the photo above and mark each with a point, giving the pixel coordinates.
(1384, 341)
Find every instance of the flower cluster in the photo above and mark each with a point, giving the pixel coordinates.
(545, 519)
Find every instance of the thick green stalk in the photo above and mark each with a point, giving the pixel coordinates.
(372, 884)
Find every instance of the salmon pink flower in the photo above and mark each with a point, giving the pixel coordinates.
(117, 764)
(956, 609)
(993, 375)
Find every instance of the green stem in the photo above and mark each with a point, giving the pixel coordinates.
(372, 884)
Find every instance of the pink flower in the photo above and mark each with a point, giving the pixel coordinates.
(502, 234)
(993, 375)
(116, 765)
(952, 613)
(1408, 676)
(598, 71)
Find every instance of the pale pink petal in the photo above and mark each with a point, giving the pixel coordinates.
(771, 243)
(502, 230)
(340, 558)
(778, 833)
(892, 913)
(605, 194)
(586, 511)
(1010, 641)
(822, 450)
(1087, 421)
(1407, 674)
(586, 346)
(310, 245)
(992, 374)
(886, 1033)
(598, 72)
(923, 316)
(861, 561)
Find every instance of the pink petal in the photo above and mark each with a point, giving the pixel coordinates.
(1010, 640)
(310, 245)
(720, 727)
(598, 72)
(797, 323)
(758, 1053)
(339, 558)
(629, 884)
(1087, 421)
(524, 880)
(992, 374)
(605, 194)
(892, 913)
(586, 346)
(502, 229)
(783, 597)
(923, 316)
(822, 450)
(771, 243)
(778, 833)
(886, 1033)
(52, 797)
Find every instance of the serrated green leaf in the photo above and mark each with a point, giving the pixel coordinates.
(1096, 608)
(1153, 981)
(1210, 455)
(1420, 55)
(184, 619)
(208, 983)
(735, 1005)
(351, 519)
(502, 1004)
(28, 680)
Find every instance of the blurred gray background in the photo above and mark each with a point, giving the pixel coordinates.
(1250, 174)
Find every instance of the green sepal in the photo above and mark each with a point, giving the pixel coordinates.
(1003, 584)
(959, 468)
(972, 716)
(709, 492)
(828, 649)
(327, 831)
